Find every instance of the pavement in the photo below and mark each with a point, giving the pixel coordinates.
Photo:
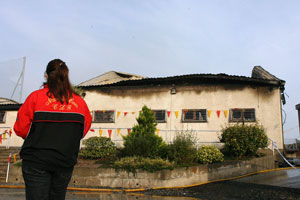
(283, 178)
(281, 185)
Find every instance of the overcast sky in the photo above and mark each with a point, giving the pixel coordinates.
(156, 38)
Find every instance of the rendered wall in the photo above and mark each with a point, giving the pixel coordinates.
(265, 100)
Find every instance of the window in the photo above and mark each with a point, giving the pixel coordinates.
(160, 115)
(242, 115)
(194, 115)
(104, 116)
(2, 116)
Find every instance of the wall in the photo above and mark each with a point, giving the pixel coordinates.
(265, 100)
(99, 177)
(14, 140)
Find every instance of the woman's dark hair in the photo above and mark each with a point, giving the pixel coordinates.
(58, 81)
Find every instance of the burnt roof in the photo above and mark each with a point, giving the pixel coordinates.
(196, 79)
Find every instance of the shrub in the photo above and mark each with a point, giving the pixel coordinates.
(182, 150)
(98, 148)
(243, 140)
(209, 154)
(142, 140)
(131, 164)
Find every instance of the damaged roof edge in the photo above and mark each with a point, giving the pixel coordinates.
(259, 77)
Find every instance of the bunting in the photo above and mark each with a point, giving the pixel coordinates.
(4, 136)
(14, 156)
(209, 112)
(109, 133)
(218, 113)
(118, 114)
(169, 113)
(0, 139)
(92, 130)
(10, 132)
(133, 113)
(129, 130)
(118, 132)
(100, 132)
(226, 113)
(125, 113)
(176, 114)
(157, 131)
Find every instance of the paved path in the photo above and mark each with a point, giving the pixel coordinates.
(276, 185)
(283, 178)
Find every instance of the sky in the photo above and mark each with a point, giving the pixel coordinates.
(155, 38)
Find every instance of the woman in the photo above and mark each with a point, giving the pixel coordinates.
(52, 121)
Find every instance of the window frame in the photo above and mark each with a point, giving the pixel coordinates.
(184, 120)
(160, 121)
(242, 118)
(103, 120)
(3, 119)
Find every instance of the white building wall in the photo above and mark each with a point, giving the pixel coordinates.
(264, 100)
(14, 140)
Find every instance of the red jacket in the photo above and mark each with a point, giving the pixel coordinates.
(52, 131)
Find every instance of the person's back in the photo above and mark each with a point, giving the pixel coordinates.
(52, 121)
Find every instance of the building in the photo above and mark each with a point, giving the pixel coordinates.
(198, 103)
(8, 115)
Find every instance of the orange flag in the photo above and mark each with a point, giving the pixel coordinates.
(157, 131)
(226, 113)
(118, 114)
(118, 132)
(100, 132)
(209, 113)
(176, 113)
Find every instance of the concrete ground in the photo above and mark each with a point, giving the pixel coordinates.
(283, 178)
(276, 185)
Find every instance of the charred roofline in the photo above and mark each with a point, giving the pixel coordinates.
(195, 79)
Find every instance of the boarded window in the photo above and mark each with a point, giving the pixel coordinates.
(242, 115)
(104, 116)
(160, 116)
(2, 116)
(194, 115)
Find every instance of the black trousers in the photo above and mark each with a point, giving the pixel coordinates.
(44, 184)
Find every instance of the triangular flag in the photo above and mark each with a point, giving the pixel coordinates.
(169, 112)
(176, 113)
(226, 113)
(100, 132)
(218, 113)
(118, 132)
(0, 139)
(109, 133)
(104, 111)
(118, 114)
(133, 113)
(14, 157)
(4, 136)
(125, 113)
(209, 113)
(157, 131)
(10, 132)
(129, 130)
(92, 130)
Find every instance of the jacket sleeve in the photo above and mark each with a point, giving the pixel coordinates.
(25, 116)
(87, 119)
